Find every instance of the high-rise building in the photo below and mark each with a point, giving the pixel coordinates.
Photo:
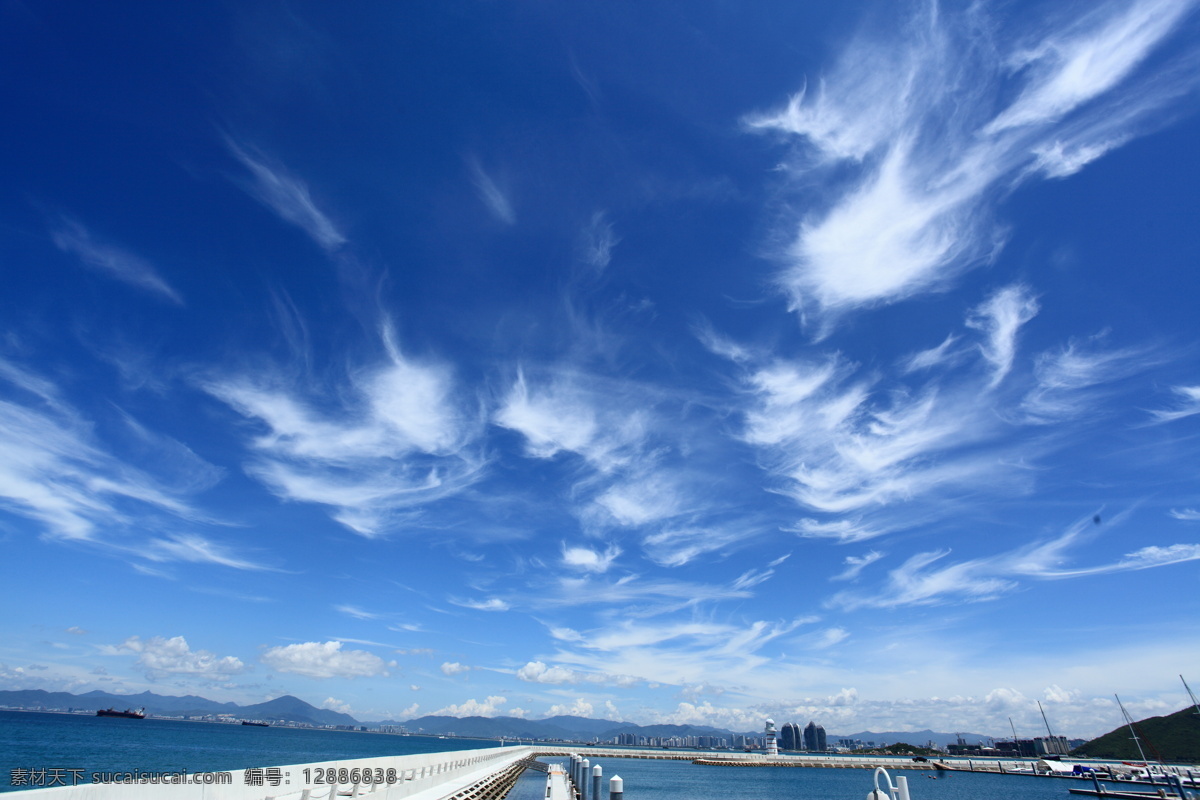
(814, 737)
(769, 732)
(790, 737)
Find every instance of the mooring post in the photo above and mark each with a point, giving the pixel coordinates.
(616, 788)
(597, 771)
(584, 771)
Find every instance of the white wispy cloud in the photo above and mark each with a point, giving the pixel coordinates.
(678, 542)
(57, 471)
(323, 660)
(943, 355)
(398, 441)
(930, 578)
(597, 242)
(645, 496)
(1188, 404)
(1063, 70)
(917, 210)
(356, 612)
(1188, 514)
(867, 453)
(837, 449)
(1069, 381)
(116, 262)
(844, 530)
(653, 596)
(856, 564)
(197, 549)
(563, 414)
(1001, 317)
(454, 668)
(493, 197)
(680, 652)
(288, 196)
(491, 604)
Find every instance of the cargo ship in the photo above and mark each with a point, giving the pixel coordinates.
(126, 714)
(256, 723)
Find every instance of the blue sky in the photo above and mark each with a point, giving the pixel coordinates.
(665, 362)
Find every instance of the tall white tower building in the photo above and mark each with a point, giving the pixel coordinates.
(769, 731)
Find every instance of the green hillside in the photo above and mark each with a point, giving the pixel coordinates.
(1175, 737)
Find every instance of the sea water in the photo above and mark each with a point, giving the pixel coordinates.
(681, 780)
(30, 740)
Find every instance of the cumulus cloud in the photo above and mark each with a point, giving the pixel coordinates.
(539, 672)
(324, 660)
(580, 708)
(916, 210)
(454, 668)
(160, 657)
(586, 559)
(490, 707)
(71, 236)
(333, 704)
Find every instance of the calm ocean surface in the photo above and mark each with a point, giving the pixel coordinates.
(31, 740)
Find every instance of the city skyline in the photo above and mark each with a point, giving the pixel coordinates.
(690, 364)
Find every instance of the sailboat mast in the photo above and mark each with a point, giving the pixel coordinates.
(1129, 722)
(1195, 705)
(1049, 733)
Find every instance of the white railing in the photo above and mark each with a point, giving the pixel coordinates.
(425, 776)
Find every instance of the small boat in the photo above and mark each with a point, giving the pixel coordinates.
(126, 714)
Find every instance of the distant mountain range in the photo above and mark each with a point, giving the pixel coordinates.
(293, 709)
(281, 709)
